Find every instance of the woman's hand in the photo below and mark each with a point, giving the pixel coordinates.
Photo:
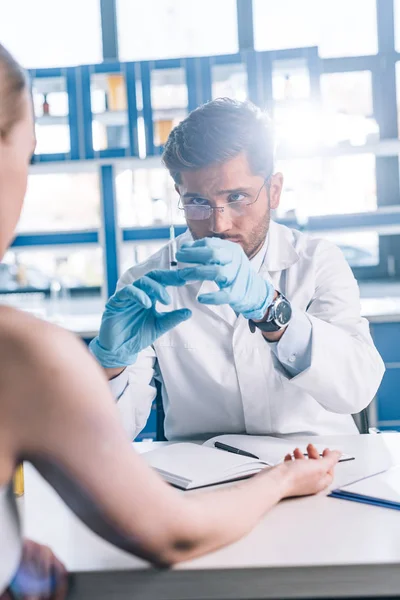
(309, 475)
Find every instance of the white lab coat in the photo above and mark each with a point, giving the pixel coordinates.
(218, 377)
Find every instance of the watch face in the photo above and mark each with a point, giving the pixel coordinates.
(283, 312)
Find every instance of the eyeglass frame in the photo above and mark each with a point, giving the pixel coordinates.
(181, 206)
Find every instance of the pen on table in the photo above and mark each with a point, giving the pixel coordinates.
(227, 448)
(343, 457)
(19, 480)
(172, 247)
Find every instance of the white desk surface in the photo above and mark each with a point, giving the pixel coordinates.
(83, 316)
(314, 545)
(376, 310)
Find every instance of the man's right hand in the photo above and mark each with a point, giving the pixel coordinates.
(131, 322)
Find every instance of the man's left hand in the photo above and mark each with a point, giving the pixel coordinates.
(226, 263)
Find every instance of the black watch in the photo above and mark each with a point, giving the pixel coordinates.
(279, 315)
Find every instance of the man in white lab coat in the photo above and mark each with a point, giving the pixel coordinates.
(274, 341)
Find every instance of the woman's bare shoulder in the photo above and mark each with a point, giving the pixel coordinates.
(40, 361)
(18, 330)
(18, 327)
(25, 339)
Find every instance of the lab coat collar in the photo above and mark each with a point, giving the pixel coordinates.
(281, 253)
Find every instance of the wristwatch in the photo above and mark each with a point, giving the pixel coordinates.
(279, 315)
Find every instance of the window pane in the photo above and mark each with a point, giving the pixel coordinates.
(298, 128)
(50, 101)
(61, 202)
(35, 268)
(229, 81)
(360, 248)
(169, 100)
(346, 115)
(49, 33)
(397, 24)
(50, 97)
(33, 301)
(290, 80)
(133, 253)
(146, 197)
(338, 28)
(398, 94)
(312, 187)
(178, 28)
(110, 111)
(295, 117)
(348, 108)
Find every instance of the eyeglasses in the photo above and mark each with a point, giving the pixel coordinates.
(200, 212)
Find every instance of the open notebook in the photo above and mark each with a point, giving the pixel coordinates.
(188, 466)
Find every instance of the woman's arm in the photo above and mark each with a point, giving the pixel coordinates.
(57, 411)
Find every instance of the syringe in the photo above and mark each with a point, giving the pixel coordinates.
(172, 247)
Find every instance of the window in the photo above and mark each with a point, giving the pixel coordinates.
(50, 97)
(61, 202)
(348, 109)
(169, 100)
(398, 94)
(40, 268)
(32, 301)
(133, 253)
(50, 101)
(296, 118)
(290, 80)
(55, 24)
(337, 27)
(360, 248)
(229, 81)
(325, 186)
(397, 24)
(109, 109)
(157, 29)
(146, 197)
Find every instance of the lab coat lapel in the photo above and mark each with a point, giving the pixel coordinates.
(280, 254)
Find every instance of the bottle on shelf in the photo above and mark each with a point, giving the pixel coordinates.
(45, 106)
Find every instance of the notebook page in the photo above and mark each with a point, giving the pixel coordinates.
(194, 462)
(384, 486)
(269, 449)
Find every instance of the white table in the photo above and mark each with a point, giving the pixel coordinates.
(86, 325)
(83, 316)
(304, 548)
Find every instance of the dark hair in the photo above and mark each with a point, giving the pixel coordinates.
(13, 82)
(217, 132)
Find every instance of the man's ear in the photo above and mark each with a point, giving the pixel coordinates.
(275, 190)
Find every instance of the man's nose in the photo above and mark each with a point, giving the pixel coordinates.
(220, 220)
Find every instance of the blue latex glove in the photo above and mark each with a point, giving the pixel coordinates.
(226, 263)
(131, 322)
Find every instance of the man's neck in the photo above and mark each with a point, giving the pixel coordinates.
(258, 257)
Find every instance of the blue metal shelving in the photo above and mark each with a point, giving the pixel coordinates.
(198, 78)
